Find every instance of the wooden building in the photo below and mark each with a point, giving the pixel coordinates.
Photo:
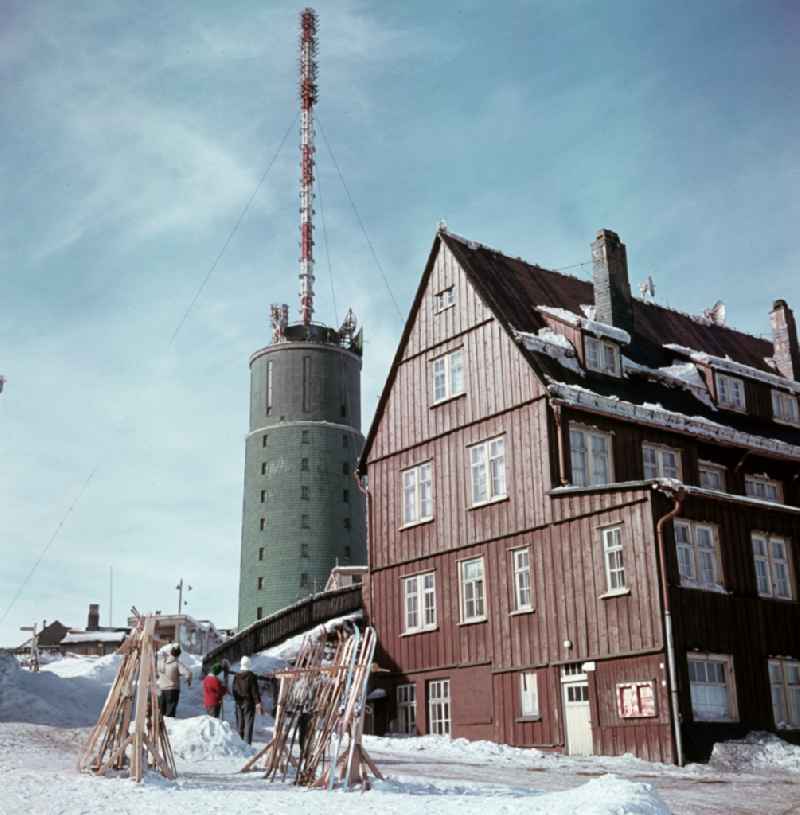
(583, 524)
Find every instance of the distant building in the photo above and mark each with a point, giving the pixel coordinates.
(194, 636)
(96, 640)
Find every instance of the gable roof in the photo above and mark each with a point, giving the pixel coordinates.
(513, 290)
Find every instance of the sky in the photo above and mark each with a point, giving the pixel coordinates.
(134, 135)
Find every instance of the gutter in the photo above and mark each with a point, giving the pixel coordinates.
(673, 679)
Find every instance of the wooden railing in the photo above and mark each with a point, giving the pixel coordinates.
(316, 609)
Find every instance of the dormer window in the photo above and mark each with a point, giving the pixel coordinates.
(730, 392)
(602, 356)
(661, 462)
(759, 486)
(712, 476)
(784, 407)
(444, 299)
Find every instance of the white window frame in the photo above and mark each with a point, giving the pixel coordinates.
(769, 579)
(604, 356)
(636, 689)
(529, 695)
(448, 371)
(439, 707)
(487, 467)
(419, 603)
(444, 299)
(521, 564)
(711, 467)
(472, 591)
(589, 453)
(690, 551)
(416, 484)
(660, 452)
(614, 560)
(730, 686)
(730, 392)
(755, 483)
(407, 709)
(785, 407)
(787, 691)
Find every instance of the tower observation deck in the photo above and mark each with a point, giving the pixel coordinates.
(302, 510)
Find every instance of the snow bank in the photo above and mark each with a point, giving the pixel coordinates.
(100, 669)
(608, 795)
(47, 698)
(203, 738)
(756, 751)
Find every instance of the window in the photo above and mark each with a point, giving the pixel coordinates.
(602, 356)
(730, 392)
(304, 581)
(697, 545)
(259, 583)
(263, 468)
(523, 601)
(259, 613)
(472, 590)
(269, 392)
(661, 462)
(712, 688)
(444, 299)
(439, 707)
(784, 407)
(529, 696)
(261, 553)
(712, 476)
(771, 558)
(759, 486)
(304, 550)
(264, 439)
(419, 597)
(345, 468)
(262, 523)
(590, 454)
(343, 410)
(304, 493)
(345, 440)
(784, 680)
(305, 436)
(418, 494)
(488, 465)
(304, 464)
(448, 376)
(345, 496)
(612, 554)
(407, 709)
(347, 523)
(347, 553)
(636, 700)
(263, 496)
(306, 384)
(304, 524)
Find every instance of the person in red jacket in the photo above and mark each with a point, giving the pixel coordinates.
(213, 691)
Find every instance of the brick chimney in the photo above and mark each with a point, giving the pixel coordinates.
(784, 340)
(612, 291)
(94, 617)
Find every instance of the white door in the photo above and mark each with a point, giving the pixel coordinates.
(577, 719)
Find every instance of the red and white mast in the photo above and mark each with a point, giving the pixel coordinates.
(308, 96)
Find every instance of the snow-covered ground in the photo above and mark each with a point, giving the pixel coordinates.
(45, 717)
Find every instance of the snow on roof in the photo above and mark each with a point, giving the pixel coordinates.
(75, 637)
(683, 375)
(556, 346)
(592, 326)
(672, 485)
(731, 366)
(655, 414)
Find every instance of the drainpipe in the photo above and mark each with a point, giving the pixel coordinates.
(365, 492)
(673, 679)
(562, 464)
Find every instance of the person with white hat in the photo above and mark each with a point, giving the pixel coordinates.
(247, 698)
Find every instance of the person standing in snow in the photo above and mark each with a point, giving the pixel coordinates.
(247, 698)
(170, 670)
(213, 691)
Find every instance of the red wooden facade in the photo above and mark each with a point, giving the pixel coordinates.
(576, 631)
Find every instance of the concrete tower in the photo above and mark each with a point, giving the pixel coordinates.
(302, 509)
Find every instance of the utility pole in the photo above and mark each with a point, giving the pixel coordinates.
(110, 596)
(179, 589)
(34, 665)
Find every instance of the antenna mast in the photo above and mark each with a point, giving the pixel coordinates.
(308, 96)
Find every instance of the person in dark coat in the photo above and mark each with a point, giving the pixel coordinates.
(213, 691)
(247, 698)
